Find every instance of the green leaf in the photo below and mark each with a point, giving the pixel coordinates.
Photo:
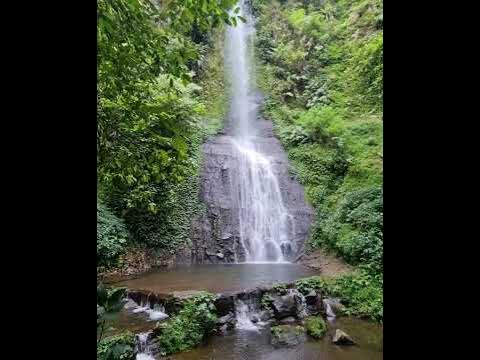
(114, 299)
(120, 349)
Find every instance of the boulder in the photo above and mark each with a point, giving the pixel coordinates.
(226, 322)
(311, 298)
(342, 338)
(287, 335)
(224, 305)
(288, 320)
(220, 255)
(284, 306)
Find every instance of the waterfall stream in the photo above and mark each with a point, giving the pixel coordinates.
(142, 347)
(265, 226)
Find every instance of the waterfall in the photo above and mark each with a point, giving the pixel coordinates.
(265, 226)
(242, 314)
(142, 347)
(328, 308)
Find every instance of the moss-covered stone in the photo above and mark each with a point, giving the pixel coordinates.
(316, 327)
(287, 335)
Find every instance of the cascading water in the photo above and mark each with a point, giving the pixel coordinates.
(142, 347)
(243, 315)
(265, 226)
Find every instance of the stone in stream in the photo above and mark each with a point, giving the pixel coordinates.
(286, 305)
(288, 320)
(314, 304)
(333, 307)
(287, 335)
(224, 305)
(342, 338)
(226, 322)
(311, 297)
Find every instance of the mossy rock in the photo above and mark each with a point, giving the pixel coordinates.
(316, 327)
(287, 335)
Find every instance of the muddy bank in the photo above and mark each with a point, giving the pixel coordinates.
(325, 264)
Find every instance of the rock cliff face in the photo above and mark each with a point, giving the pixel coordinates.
(215, 235)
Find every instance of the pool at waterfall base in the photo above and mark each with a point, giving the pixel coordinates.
(246, 340)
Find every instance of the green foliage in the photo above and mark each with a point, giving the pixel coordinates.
(109, 303)
(280, 288)
(178, 203)
(112, 236)
(280, 329)
(356, 228)
(316, 283)
(331, 120)
(315, 326)
(118, 347)
(152, 115)
(266, 303)
(361, 293)
(145, 109)
(321, 124)
(190, 326)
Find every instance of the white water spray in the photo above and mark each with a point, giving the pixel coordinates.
(265, 224)
(143, 350)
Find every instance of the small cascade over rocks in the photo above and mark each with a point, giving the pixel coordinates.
(142, 347)
(332, 305)
(328, 308)
(157, 313)
(244, 317)
(248, 312)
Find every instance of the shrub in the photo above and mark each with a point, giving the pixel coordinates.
(316, 283)
(315, 326)
(190, 326)
(322, 123)
(118, 347)
(361, 293)
(112, 236)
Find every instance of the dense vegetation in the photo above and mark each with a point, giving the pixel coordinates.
(161, 91)
(360, 293)
(322, 70)
(315, 326)
(152, 115)
(159, 76)
(114, 347)
(190, 326)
